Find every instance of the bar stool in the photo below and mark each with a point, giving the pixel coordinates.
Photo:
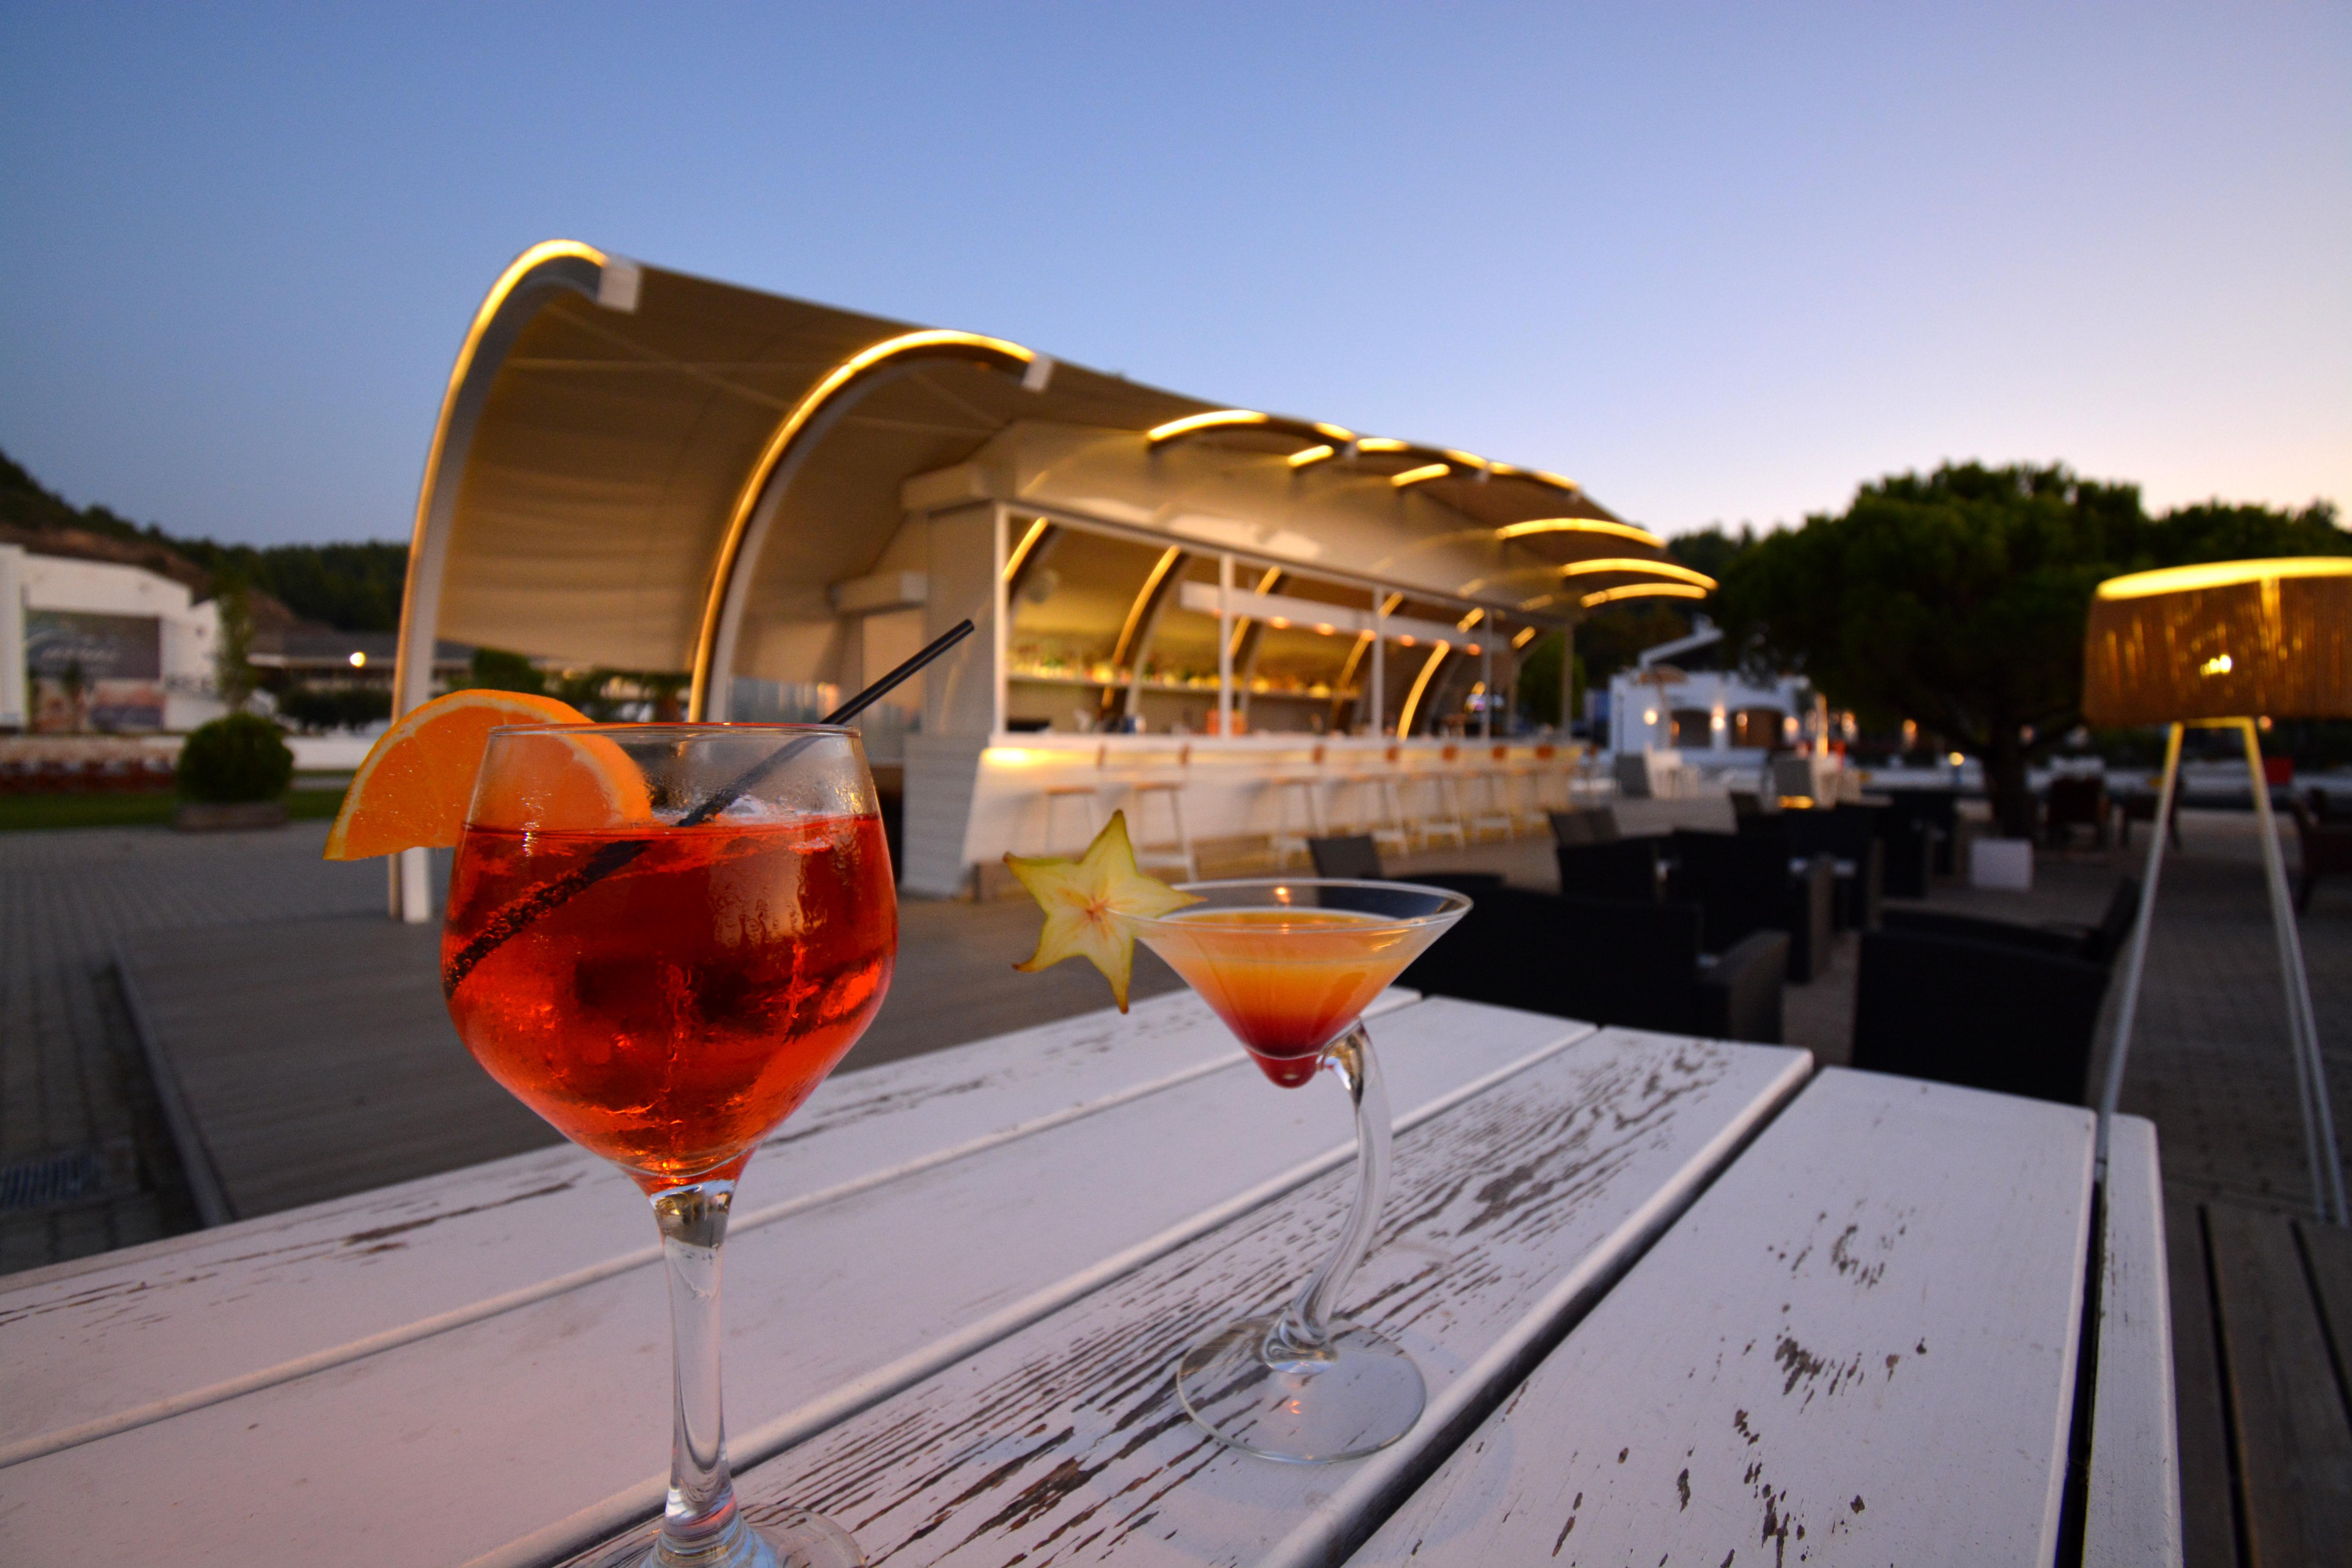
(1375, 807)
(1087, 797)
(1487, 788)
(1549, 770)
(1522, 793)
(1298, 810)
(1142, 790)
(1394, 824)
(1444, 797)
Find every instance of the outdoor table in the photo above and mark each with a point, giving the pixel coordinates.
(1674, 1300)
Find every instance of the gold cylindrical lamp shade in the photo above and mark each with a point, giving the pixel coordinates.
(2224, 639)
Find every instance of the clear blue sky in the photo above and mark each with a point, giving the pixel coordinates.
(1716, 263)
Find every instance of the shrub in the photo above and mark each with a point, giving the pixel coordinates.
(239, 758)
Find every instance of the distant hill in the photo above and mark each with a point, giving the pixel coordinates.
(349, 587)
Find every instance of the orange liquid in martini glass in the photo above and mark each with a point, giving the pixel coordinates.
(1287, 982)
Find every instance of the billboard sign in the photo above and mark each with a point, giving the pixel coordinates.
(94, 672)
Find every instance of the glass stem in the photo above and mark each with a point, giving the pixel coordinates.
(1306, 1326)
(699, 1524)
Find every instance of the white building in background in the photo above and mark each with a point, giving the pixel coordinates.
(1715, 720)
(103, 645)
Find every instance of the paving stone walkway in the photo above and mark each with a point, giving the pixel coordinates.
(72, 1085)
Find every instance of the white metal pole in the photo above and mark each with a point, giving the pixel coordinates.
(998, 612)
(1225, 644)
(1567, 678)
(1379, 666)
(1486, 685)
(2136, 965)
(2302, 1033)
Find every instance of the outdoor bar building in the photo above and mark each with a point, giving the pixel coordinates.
(642, 471)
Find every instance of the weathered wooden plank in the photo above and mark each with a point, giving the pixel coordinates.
(2327, 1250)
(2209, 1529)
(445, 1447)
(1858, 1347)
(2132, 1512)
(1065, 1444)
(2294, 1446)
(151, 1331)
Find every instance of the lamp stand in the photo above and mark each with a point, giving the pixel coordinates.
(2303, 1030)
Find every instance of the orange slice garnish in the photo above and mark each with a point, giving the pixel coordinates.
(586, 781)
(418, 779)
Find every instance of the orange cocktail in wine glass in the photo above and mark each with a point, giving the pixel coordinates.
(1290, 964)
(661, 938)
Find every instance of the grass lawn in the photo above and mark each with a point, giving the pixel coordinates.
(20, 813)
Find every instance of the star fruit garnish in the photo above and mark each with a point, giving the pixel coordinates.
(1083, 898)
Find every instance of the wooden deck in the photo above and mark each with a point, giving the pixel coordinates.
(2261, 1318)
(305, 1060)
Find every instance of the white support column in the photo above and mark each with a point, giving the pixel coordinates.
(1379, 712)
(1486, 685)
(1225, 644)
(15, 711)
(1566, 676)
(999, 615)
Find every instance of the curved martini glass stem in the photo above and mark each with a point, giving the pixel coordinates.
(1305, 1329)
(699, 1523)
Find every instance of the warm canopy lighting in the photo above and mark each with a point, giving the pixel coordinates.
(1524, 636)
(1312, 454)
(1420, 686)
(359, 660)
(1416, 476)
(1534, 476)
(2219, 640)
(1578, 525)
(1020, 555)
(1643, 590)
(1219, 419)
(1383, 444)
(1629, 564)
(846, 381)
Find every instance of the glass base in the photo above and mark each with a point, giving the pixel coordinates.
(1359, 1393)
(776, 1537)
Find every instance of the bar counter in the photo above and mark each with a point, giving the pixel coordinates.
(969, 803)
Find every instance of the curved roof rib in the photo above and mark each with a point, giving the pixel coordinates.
(642, 469)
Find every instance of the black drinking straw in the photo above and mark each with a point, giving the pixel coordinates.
(614, 856)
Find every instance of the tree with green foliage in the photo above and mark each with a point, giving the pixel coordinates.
(353, 587)
(1958, 598)
(233, 673)
(496, 669)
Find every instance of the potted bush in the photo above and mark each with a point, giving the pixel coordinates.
(233, 773)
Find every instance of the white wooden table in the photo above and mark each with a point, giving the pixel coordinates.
(1672, 1298)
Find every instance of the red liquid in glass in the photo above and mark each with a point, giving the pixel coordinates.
(668, 1015)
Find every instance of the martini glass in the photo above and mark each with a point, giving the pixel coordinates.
(661, 938)
(1290, 964)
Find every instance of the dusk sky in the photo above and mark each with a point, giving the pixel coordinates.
(1719, 264)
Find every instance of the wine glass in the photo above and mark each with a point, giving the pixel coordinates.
(661, 938)
(1290, 964)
